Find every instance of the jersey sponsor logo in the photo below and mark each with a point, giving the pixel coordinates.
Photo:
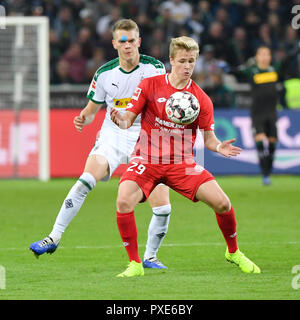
(121, 103)
(161, 99)
(265, 77)
(137, 93)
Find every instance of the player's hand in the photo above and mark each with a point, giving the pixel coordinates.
(228, 150)
(117, 118)
(79, 122)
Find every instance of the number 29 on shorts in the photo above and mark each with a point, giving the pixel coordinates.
(138, 168)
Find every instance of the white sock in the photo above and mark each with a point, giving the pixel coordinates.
(72, 204)
(157, 230)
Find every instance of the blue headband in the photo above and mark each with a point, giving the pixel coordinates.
(123, 38)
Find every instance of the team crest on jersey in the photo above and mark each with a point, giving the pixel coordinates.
(137, 93)
(121, 103)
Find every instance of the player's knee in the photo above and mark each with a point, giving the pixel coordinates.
(124, 205)
(223, 205)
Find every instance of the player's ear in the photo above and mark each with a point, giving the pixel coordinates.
(171, 61)
(114, 43)
(139, 41)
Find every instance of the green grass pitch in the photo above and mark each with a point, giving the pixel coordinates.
(90, 254)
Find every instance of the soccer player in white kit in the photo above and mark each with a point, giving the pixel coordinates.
(114, 84)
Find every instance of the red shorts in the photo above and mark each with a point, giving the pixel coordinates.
(183, 178)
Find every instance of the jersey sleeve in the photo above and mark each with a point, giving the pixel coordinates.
(96, 92)
(139, 98)
(206, 116)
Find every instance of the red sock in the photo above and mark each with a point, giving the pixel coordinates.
(128, 232)
(227, 224)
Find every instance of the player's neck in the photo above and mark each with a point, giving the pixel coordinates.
(130, 64)
(177, 82)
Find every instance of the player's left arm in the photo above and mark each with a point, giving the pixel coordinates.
(225, 148)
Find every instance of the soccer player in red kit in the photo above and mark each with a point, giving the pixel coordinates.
(164, 154)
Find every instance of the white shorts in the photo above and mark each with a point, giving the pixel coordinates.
(115, 144)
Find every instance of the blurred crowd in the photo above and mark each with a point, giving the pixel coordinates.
(226, 30)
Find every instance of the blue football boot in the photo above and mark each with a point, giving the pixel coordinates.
(266, 181)
(153, 263)
(46, 245)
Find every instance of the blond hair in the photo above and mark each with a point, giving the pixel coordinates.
(183, 42)
(125, 24)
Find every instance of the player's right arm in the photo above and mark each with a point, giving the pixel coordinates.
(123, 121)
(87, 115)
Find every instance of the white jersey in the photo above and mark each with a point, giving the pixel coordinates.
(115, 87)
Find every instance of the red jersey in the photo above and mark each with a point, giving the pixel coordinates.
(161, 140)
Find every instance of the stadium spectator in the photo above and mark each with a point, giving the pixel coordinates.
(146, 28)
(106, 22)
(232, 9)
(86, 42)
(99, 8)
(205, 15)
(206, 65)
(77, 63)
(55, 52)
(166, 23)
(159, 41)
(104, 42)
(65, 27)
(37, 9)
(222, 16)
(240, 48)
(265, 37)
(180, 10)
(234, 28)
(61, 74)
(98, 59)
(76, 6)
(215, 37)
(17, 8)
(194, 27)
(87, 21)
(221, 95)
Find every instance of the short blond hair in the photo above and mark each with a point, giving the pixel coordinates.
(183, 42)
(125, 24)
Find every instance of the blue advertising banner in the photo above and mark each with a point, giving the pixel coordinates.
(237, 124)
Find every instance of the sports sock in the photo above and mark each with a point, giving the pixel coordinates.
(262, 158)
(72, 204)
(270, 158)
(227, 224)
(128, 231)
(157, 230)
